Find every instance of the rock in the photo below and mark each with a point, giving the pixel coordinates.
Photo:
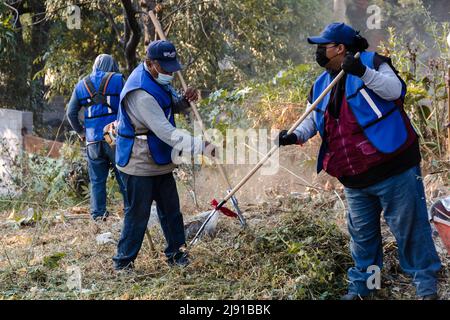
(27, 217)
(104, 238)
(193, 225)
(74, 278)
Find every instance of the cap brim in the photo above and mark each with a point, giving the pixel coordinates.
(170, 66)
(318, 40)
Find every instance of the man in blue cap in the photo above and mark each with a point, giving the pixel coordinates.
(370, 146)
(146, 143)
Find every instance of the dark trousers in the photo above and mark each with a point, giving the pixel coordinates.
(100, 157)
(141, 192)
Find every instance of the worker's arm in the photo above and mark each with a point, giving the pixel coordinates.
(73, 108)
(144, 107)
(382, 79)
(181, 102)
(307, 129)
(384, 82)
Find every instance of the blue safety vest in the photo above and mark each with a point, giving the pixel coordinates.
(159, 150)
(97, 116)
(381, 120)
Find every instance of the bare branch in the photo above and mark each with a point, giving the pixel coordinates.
(15, 10)
(114, 26)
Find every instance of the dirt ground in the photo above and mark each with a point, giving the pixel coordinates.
(295, 247)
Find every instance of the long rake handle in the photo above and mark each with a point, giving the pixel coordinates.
(291, 130)
(269, 154)
(161, 34)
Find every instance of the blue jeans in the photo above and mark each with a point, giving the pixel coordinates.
(100, 157)
(141, 192)
(402, 199)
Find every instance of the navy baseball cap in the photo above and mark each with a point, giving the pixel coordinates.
(165, 53)
(335, 33)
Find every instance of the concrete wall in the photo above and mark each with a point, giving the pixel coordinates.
(56, 111)
(13, 125)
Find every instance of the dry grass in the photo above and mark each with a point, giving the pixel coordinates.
(293, 249)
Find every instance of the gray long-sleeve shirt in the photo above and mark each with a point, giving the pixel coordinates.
(384, 82)
(146, 114)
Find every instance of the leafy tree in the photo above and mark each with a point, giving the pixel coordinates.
(6, 31)
(220, 42)
(225, 42)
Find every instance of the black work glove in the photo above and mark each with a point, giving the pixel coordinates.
(353, 66)
(285, 139)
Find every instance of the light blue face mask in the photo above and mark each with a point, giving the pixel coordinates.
(164, 79)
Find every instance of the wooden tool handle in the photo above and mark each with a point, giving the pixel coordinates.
(162, 36)
(291, 130)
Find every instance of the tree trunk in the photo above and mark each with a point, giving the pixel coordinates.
(149, 30)
(339, 10)
(38, 45)
(133, 37)
(14, 89)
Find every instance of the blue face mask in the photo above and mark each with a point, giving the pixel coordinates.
(164, 79)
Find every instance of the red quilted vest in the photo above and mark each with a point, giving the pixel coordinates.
(349, 151)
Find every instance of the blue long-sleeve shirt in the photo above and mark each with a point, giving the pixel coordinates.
(73, 108)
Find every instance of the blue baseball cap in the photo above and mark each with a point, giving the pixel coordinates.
(165, 53)
(335, 33)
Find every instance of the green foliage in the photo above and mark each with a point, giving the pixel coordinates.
(44, 183)
(71, 53)
(257, 104)
(311, 249)
(52, 261)
(425, 76)
(13, 65)
(227, 42)
(255, 38)
(6, 32)
(223, 109)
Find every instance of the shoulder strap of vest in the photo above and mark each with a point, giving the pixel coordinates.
(97, 97)
(104, 83)
(89, 86)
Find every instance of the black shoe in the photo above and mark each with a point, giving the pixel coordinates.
(124, 268)
(433, 296)
(179, 259)
(101, 217)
